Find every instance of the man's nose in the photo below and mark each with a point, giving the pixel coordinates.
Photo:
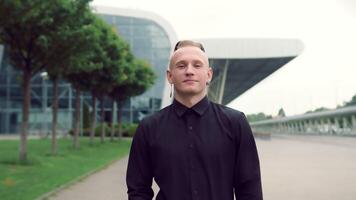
(189, 70)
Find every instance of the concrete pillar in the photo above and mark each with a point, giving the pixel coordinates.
(314, 124)
(353, 121)
(305, 126)
(289, 127)
(295, 127)
(318, 127)
(285, 125)
(280, 128)
(276, 128)
(337, 125)
(222, 86)
(323, 126)
(309, 127)
(300, 127)
(329, 125)
(291, 130)
(345, 126)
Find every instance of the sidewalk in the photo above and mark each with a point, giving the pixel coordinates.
(107, 184)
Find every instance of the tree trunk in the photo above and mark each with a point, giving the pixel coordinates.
(26, 89)
(119, 117)
(112, 125)
(102, 113)
(93, 120)
(76, 119)
(54, 116)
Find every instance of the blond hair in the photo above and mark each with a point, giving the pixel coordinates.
(184, 43)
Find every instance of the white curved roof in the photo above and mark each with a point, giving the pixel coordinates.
(140, 14)
(251, 47)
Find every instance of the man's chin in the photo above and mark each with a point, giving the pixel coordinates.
(189, 92)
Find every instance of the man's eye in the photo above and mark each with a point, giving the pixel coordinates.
(197, 65)
(180, 66)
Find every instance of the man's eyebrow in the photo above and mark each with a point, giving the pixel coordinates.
(179, 62)
(199, 61)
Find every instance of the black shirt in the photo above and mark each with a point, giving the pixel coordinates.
(206, 152)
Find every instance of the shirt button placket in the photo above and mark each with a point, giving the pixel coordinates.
(191, 157)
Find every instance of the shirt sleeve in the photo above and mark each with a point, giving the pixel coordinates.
(139, 171)
(247, 177)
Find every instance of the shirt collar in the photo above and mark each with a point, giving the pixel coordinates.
(199, 107)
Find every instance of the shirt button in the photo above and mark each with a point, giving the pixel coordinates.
(190, 128)
(191, 146)
(195, 192)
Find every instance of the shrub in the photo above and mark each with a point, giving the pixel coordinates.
(128, 130)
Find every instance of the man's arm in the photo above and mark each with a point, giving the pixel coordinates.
(247, 177)
(139, 171)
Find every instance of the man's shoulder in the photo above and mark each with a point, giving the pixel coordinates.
(227, 111)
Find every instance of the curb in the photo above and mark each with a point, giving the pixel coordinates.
(49, 194)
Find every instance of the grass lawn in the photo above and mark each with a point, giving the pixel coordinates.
(43, 173)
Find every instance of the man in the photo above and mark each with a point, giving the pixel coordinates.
(194, 149)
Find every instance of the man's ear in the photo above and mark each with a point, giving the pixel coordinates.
(169, 77)
(210, 74)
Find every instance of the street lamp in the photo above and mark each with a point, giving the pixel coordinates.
(44, 76)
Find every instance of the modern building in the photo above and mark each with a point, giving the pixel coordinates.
(238, 65)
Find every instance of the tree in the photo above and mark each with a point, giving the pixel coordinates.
(126, 67)
(281, 113)
(82, 69)
(71, 41)
(27, 27)
(108, 52)
(142, 78)
(352, 102)
(317, 110)
(258, 117)
(116, 51)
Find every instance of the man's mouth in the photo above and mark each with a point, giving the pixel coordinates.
(189, 80)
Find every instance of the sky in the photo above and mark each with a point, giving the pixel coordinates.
(324, 75)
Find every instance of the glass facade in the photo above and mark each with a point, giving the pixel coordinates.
(148, 41)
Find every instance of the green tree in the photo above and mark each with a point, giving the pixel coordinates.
(258, 117)
(317, 110)
(281, 112)
(143, 78)
(113, 72)
(72, 40)
(107, 54)
(352, 102)
(81, 68)
(84, 66)
(27, 27)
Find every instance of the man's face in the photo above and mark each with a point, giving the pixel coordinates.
(189, 71)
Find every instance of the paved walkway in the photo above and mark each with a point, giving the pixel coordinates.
(293, 168)
(108, 184)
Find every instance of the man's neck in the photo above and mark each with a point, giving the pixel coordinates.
(189, 101)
